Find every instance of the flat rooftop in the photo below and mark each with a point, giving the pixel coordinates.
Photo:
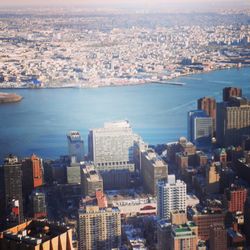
(34, 232)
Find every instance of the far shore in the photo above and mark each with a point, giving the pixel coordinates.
(90, 85)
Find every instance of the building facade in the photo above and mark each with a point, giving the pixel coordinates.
(111, 149)
(171, 196)
(233, 121)
(208, 104)
(91, 180)
(213, 178)
(218, 237)
(13, 186)
(75, 145)
(153, 169)
(235, 198)
(99, 225)
(184, 236)
(231, 92)
(39, 206)
(200, 128)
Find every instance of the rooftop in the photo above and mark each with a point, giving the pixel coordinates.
(90, 173)
(34, 232)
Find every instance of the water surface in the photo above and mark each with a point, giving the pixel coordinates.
(157, 112)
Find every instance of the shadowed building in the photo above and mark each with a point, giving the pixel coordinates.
(208, 104)
(218, 237)
(233, 121)
(75, 145)
(32, 170)
(38, 201)
(13, 188)
(36, 235)
(230, 92)
(200, 128)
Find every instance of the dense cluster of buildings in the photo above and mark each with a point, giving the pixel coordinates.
(125, 194)
(89, 50)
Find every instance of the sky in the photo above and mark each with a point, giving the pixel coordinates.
(118, 3)
(132, 5)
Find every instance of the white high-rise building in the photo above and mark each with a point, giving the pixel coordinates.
(171, 196)
(75, 145)
(112, 147)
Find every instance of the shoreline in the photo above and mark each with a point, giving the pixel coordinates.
(146, 82)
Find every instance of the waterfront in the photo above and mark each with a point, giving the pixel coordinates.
(157, 112)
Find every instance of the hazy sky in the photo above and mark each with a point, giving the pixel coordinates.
(120, 2)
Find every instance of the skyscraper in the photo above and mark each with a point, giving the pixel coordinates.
(13, 187)
(200, 128)
(99, 225)
(208, 104)
(112, 147)
(75, 145)
(112, 150)
(233, 121)
(171, 196)
(32, 170)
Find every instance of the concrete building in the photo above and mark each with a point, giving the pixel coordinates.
(153, 169)
(91, 180)
(233, 121)
(74, 172)
(75, 145)
(13, 185)
(171, 196)
(99, 225)
(36, 235)
(200, 128)
(111, 149)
